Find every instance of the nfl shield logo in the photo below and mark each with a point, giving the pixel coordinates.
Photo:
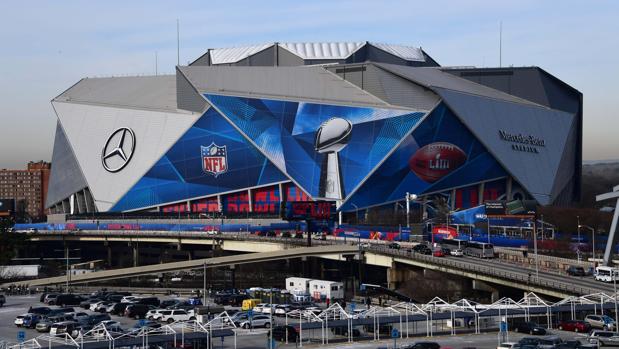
(214, 159)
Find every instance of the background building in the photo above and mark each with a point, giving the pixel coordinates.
(26, 188)
(244, 129)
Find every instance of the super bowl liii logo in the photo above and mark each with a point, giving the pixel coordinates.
(524, 143)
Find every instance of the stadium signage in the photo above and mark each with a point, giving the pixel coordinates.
(520, 142)
(118, 149)
(214, 159)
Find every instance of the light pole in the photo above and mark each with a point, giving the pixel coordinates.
(409, 197)
(66, 256)
(614, 274)
(204, 283)
(356, 213)
(592, 239)
(578, 246)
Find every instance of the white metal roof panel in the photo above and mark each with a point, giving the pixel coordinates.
(322, 50)
(408, 53)
(235, 54)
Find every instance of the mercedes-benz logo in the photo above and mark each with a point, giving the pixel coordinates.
(118, 149)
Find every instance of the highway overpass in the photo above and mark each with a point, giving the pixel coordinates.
(335, 251)
(554, 283)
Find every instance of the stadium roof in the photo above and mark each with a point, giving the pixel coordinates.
(142, 92)
(314, 51)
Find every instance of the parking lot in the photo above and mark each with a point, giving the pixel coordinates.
(257, 338)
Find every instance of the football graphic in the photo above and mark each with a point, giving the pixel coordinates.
(436, 160)
(333, 135)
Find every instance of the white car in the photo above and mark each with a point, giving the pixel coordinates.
(19, 320)
(177, 315)
(94, 306)
(507, 345)
(268, 308)
(365, 245)
(129, 299)
(258, 308)
(154, 314)
(282, 309)
(457, 253)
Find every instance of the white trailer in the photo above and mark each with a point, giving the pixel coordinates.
(297, 285)
(322, 290)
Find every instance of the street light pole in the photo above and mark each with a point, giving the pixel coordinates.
(614, 274)
(409, 197)
(592, 240)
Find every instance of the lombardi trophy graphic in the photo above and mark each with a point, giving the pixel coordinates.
(332, 136)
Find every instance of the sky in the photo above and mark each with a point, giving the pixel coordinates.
(47, 46)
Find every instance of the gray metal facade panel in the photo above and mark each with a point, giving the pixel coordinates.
(66, 176)
(262, 58)
(374, 54)
(286, 58)
(187, 96)
(567, 171)
(88, 127)
(485, 117)
(203, 60)
(403, 92)
(436, 78)
(298, 83)
(387, 86)
(141, 92)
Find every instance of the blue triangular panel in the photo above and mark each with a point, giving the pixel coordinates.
(439, 154)
(180, 173)
(285, 132)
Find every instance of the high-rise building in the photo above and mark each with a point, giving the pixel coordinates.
(28, 188)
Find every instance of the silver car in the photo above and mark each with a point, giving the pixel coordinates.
(603, 322)
(257, 321)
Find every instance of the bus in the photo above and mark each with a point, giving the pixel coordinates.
(603, 273)
(453, 244)
(479, 249)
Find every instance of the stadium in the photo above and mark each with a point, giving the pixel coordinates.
(361, 124)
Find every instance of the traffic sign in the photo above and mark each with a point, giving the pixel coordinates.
(141, 322)
(395, 333)
(21, 336)
(250, 314)
(503, 326)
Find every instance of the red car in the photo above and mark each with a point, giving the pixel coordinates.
(574, 325)
(438, 253)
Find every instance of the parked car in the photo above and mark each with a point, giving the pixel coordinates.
(31, 320)
(71, 328)
(595, 335)
(508, 345)
(50, 299)
(258, 308)
(281, 333)
(282, 309)
(549, 342)
(154, 301)
(176, 315)
(39, 310)
(19, 320)
(68, 299)
(170, 303)
(113, 326)
(85, 304)
(530, 328)
(60, 311)
(137, 311)
(237, 318)
(81, 317)
(422, 345)
(365, 245)
(118, 308)
(144, 323)
(574, 325)
(45, 324)
(257, 321)
(576, 270)
(129, 299)
(438, 253)
(603, 322)
(93, 320)
(102, 306)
